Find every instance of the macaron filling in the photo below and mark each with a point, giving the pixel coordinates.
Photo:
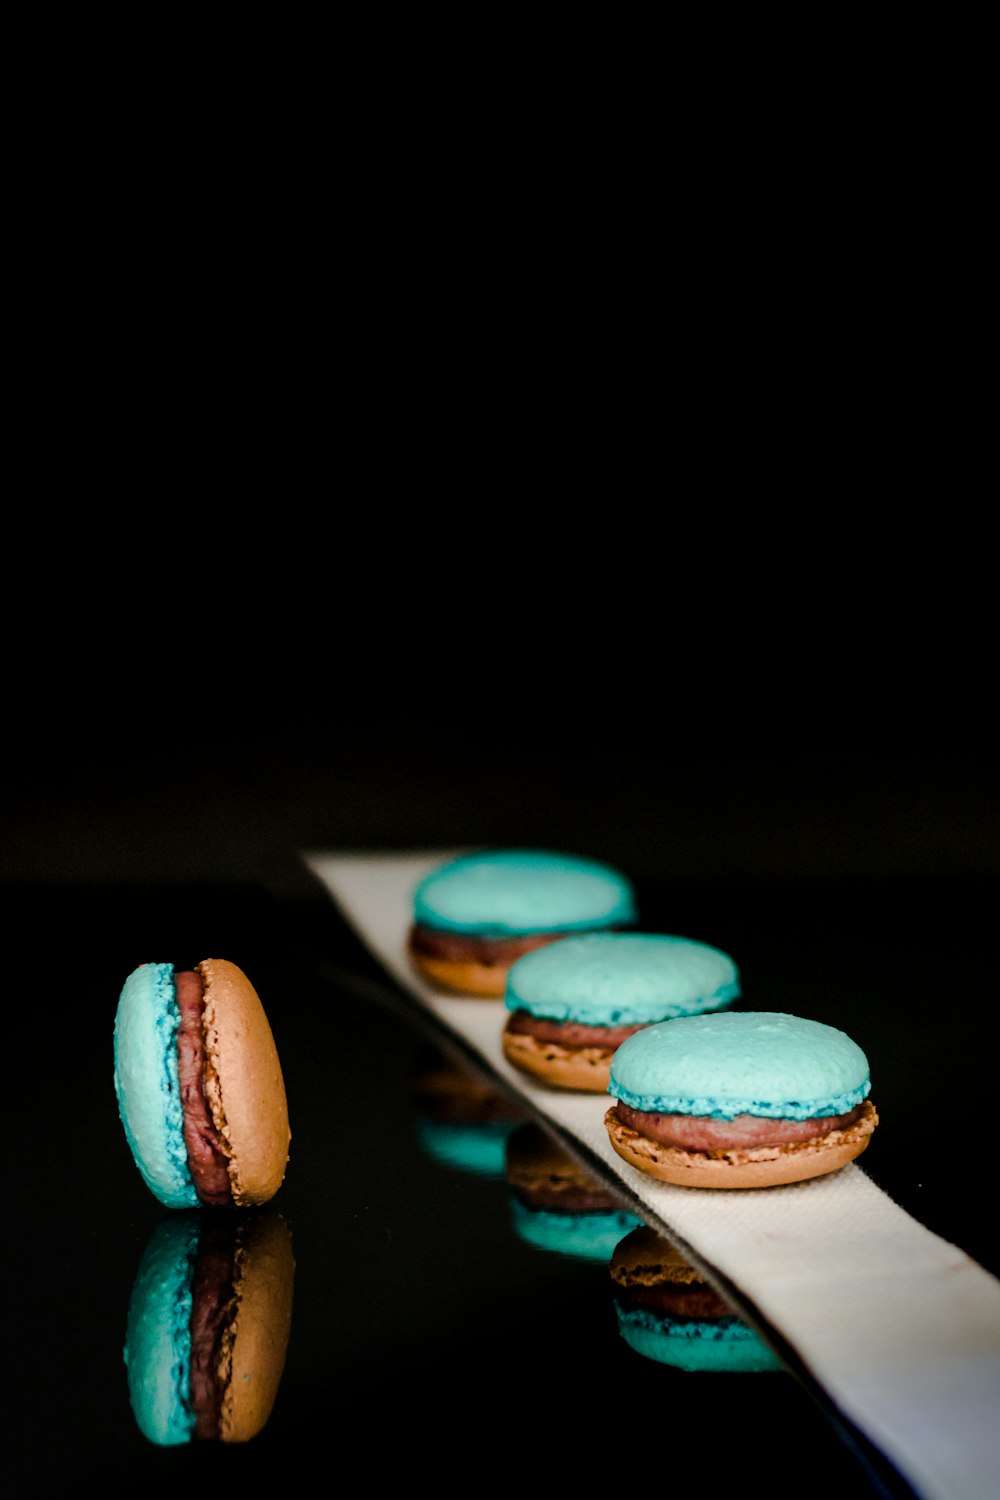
(742, 1133)
(674, 1299)
(207, 1161)
(542, 1175)
(213, 1302)
(466, 947)
(565, 1196)
(568, 1033)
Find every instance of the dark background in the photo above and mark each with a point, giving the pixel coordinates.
(823, 804)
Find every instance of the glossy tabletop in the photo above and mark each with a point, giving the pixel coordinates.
(433, 1333)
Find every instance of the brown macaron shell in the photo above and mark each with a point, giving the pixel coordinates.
(546, 1175)
(762, 1166)
(468, 964)
(446, 1092)
(473, 980)
(645, 1258)
(649, 1271)
(244, 1083)
(253, 1359)
(581, 1068)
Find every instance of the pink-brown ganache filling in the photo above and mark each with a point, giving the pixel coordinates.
(700, 1133)
(207, 1161)
(213, 1306)
(468, 947)
(569, 1033)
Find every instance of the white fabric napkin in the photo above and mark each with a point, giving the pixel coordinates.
(899, 1328)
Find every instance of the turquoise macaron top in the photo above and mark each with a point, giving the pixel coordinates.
(584, 1236)
(147, 1086)
(731, 1063)
(621, 979)
(512, 892)
(478, 1148)
(158, 1334)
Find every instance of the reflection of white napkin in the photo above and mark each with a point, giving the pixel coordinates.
(898, 1327)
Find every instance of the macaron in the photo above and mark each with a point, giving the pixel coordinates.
(461, 1120)
(199, 1085)
(666, 1311)
(475, 914)
(208, 1326)
(573, 1003)
(739, 1099)
(556, 1204)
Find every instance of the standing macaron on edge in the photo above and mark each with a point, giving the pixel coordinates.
(200, 1090)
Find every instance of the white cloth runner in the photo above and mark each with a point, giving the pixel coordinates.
(899, 1328)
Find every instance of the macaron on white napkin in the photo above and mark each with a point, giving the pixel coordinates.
(899, 1329)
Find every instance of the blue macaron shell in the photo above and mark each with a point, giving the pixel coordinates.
(583, 1236)
(508, 892)
(621, 979)
(741, 1062)
(147, 1085)
(719, 1345)
(479, 1149)
(158, 1334)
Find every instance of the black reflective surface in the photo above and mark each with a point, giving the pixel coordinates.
(431, 1341)
(426, 1330)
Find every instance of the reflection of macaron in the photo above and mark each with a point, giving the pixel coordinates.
(462, 1120)
(208, 1326)
(573, 1003)
(555, 1204)
(739, 1100)
(667, 1312)
(474, 915)
(199, 1085)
